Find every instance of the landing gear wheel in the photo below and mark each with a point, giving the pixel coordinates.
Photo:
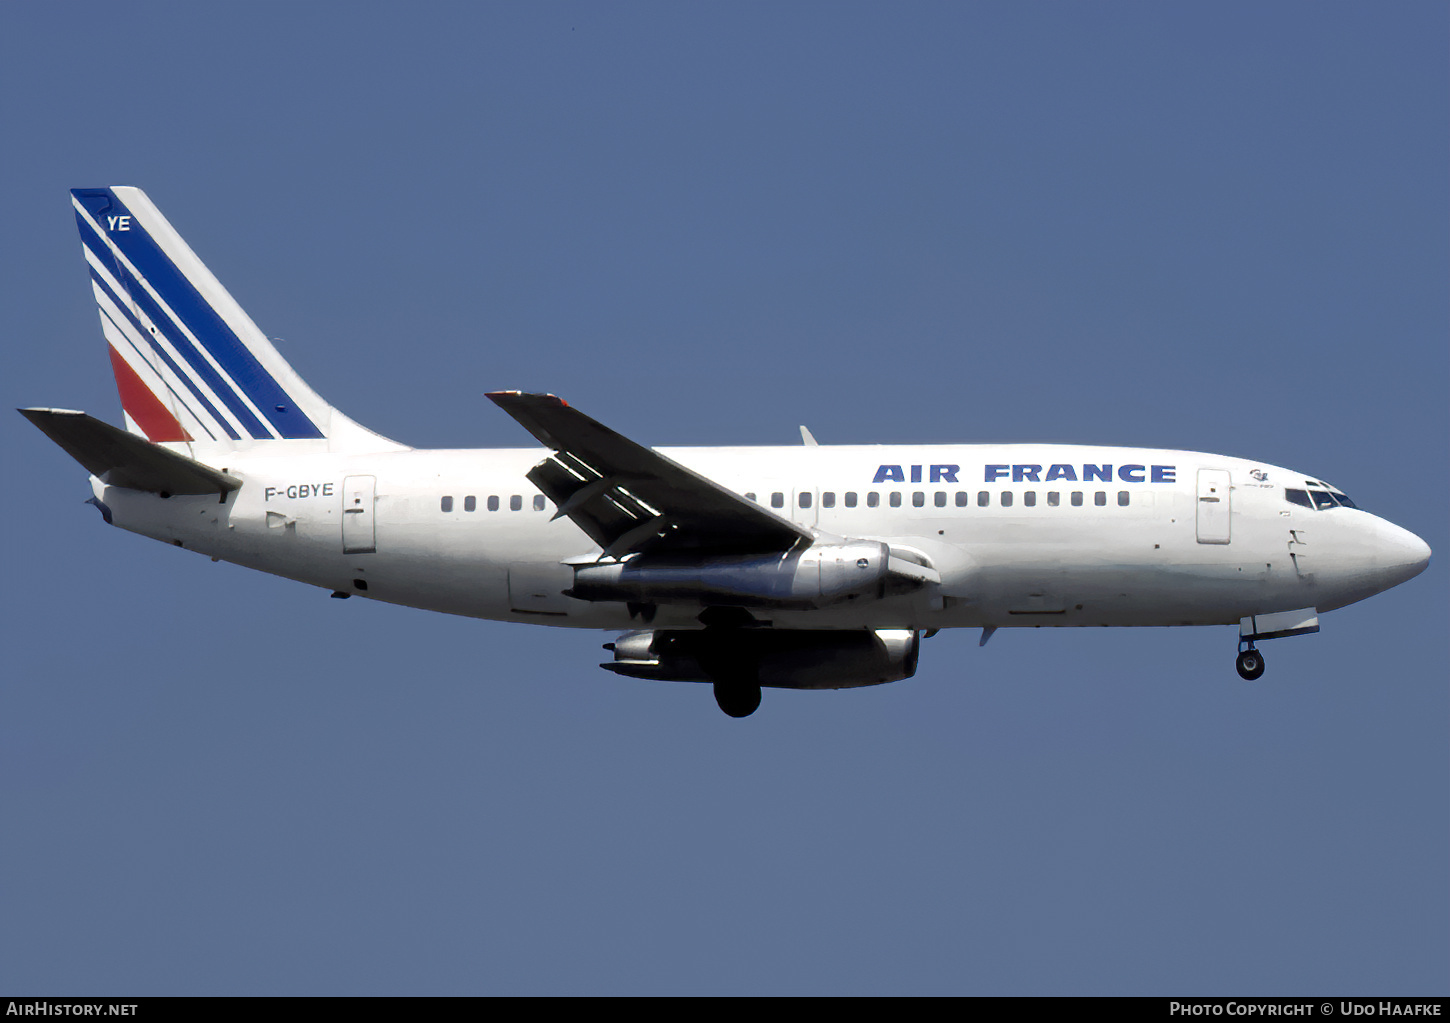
(1250, 664)
(738, 699)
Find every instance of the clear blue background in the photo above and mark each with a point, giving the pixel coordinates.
(1211, 226)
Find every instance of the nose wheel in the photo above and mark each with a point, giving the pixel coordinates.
(1250, 663)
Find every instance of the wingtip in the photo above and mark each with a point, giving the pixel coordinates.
(501, 397)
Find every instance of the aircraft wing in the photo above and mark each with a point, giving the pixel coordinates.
(628, 498)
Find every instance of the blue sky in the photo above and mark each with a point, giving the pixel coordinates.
(1210, 226)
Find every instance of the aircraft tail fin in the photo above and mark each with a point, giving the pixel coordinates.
(190, 365)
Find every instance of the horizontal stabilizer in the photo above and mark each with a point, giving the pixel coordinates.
(123, 459)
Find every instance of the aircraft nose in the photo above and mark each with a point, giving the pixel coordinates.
(1403, 555)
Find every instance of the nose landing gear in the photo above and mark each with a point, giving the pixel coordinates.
(1271, 625)
(1250, 662)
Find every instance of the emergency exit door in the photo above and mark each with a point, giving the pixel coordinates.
(803, 507)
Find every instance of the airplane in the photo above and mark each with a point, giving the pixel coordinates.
(800, 567)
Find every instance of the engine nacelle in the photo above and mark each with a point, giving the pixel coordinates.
(779, 659)
(819, 575)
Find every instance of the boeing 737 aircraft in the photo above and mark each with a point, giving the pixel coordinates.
(803, 567)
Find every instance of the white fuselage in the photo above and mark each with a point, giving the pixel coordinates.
(463, 532)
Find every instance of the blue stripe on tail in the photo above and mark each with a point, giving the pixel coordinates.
(137, 295)
(210, 330)
(141, 332)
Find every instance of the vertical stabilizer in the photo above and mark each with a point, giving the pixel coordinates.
(190, 365)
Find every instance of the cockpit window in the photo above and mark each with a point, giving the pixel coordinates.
(1319, 496)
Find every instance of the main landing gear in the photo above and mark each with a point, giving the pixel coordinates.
(736, 674)
(1250, 662)
(737, 697)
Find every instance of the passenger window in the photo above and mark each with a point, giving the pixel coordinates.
(470, 503)
(777, 500)
(941, 498)
(1077, 498)
(1101, 499)
(918, 499)
(447, 504)
(1052, 499)
(804, 498)
(515, 503)
(539, 500)
(749, 496)
(1122, 498)
(828, 499)
(896, 499)
(983, 499)
(1030, 499)
(850, 499)
(1006, 499)
(962, 498)
(873, 499)
(493, 502)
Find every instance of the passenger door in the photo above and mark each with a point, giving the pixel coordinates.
(1214, 512)
(359, 494)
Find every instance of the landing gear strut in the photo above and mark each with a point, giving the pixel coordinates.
(1250, 662)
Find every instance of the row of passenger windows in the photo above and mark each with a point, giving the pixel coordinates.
(516, 503)
(941, 498)
(873, 499)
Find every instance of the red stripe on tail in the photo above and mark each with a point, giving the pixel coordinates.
(142, 406)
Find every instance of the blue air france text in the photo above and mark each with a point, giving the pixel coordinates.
(1089, 471)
